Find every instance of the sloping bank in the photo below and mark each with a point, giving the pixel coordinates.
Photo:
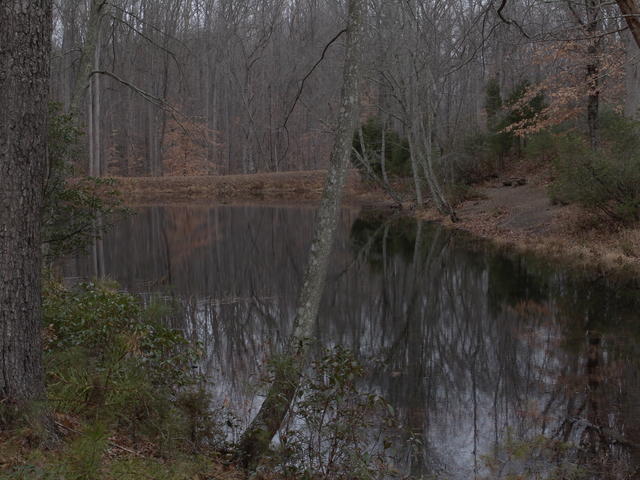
(523, 218)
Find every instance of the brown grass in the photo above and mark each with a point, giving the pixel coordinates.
(299, 187)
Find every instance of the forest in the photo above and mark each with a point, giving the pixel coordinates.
(319, 239)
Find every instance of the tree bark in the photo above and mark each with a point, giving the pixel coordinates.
(255, 441)
(25, 43)
(631, 14)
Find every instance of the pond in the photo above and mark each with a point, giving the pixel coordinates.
(481, 353)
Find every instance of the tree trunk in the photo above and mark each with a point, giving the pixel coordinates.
(593, 71)
(438, 197)
(631, 77)
(255, 441)
(383, 153)
(87, 58)
(25, 37)
(366, 163)
(631, 14)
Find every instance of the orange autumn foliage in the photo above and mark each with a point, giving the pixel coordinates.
(567, 86)
(186, 148)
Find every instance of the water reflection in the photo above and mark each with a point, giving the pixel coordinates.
(479, 352)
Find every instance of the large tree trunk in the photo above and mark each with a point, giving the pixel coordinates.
(25, 43)
(255, 441)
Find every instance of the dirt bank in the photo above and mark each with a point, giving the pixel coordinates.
(523, 217)
(269, 187)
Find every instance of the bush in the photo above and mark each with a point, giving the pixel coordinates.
(336, 430)
(119, 381)
(606, 180)
(542, 146)
(397, 157)
(109, 361)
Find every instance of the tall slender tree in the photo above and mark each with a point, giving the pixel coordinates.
(256, 440)
(25, 38)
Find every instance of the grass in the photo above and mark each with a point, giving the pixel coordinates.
(90, 455)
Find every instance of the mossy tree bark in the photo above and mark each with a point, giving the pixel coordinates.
(25, 43)
(257, 438)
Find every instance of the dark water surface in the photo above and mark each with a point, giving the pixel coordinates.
(478, 351)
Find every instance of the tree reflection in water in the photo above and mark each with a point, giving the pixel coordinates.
(496, 363)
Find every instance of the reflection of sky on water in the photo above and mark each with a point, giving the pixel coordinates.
(470, 347)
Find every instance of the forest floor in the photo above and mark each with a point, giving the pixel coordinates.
(524, 217)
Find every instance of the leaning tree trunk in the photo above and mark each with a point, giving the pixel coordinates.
(25, 43)
(441, 202)
(255, 441)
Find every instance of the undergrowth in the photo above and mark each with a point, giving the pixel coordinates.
(126, 402)
(125, 397)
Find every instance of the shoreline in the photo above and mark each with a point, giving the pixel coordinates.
(583, 260)
(299, 187)
(524, 220)
(518, 217)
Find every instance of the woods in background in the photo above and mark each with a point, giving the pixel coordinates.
(183, 87)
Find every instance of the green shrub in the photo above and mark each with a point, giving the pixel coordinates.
(119, 381)
(397, 157)
(475, 161)
(542, 146)
(108, 361)
(83, 458)
(606, 180)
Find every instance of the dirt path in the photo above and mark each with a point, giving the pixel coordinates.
(523, 209)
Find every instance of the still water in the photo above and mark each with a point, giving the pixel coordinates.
(479, 352)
